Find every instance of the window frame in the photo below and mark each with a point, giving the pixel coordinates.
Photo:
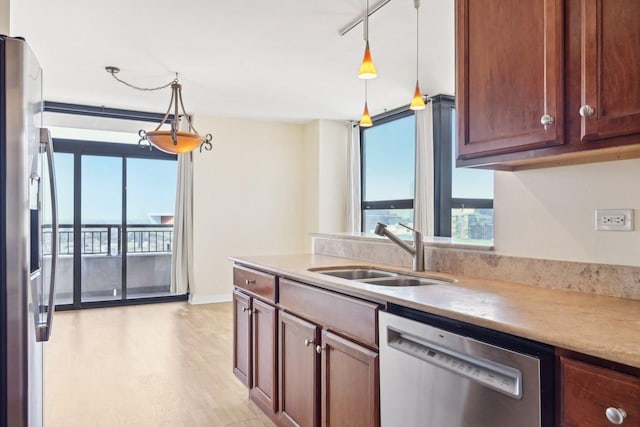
(442, 108)
(78, 148)
(389, 116)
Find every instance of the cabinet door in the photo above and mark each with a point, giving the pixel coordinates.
(590, 395)
(350, 384)
(242, 337)
(610, 68)
(509, 74)
(298, 376)
(264, 325)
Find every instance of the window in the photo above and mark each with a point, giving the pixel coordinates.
(463, 198)
(388, 172)
(116, 216)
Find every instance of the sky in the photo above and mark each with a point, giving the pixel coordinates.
(389, 159)
(151, 187)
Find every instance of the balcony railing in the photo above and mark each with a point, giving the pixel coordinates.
(106, 239)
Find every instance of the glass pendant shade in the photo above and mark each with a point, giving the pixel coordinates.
(417, 103)
(184, 141)
(365, 121)
(367, 69)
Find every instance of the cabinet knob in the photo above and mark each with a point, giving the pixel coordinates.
(319, 349)
(547, 120)
(615, 415)
(249, 282)
(586, 111)
(245, 309)
(308, 342)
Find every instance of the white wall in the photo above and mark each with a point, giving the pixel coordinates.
(248, 198)
(332, 176)
(325, 173)
(550, 213)
(5, 13)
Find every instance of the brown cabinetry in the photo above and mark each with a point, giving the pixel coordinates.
(593, 396)
(242, 337)
(350, 383)
(255, 337)
(329, 362)
(547, 82)
(299, 386)
(308, 356)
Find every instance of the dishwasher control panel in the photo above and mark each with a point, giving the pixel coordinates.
(504, 379)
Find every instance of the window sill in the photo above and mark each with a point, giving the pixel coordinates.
(433, 241)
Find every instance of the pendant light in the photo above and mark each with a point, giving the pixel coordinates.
(365, 120)
(367, 69)
(417, 103)
(182, 137)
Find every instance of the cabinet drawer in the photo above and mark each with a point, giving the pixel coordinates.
(256, 283)
(587, 391)
(348, 316)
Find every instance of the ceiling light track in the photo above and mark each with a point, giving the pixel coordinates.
(350, 26)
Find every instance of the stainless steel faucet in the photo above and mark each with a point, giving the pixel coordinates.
(417, 251)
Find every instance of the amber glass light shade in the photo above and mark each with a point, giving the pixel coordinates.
(367, 69)
(365, 121)
(417, 103)
(186, 141)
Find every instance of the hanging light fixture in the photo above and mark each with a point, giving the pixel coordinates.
(367, 69)
(365, 120)
(417, 103)
(182, 137)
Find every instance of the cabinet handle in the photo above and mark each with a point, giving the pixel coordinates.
(615, 415)
(319, 349)
(308, 342)
(547, 120)
(245, 309)
(586, 111)
(250, 282)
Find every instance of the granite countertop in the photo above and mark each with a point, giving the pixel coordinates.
(597, 325)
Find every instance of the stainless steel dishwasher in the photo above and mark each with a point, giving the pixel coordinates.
(436, 372)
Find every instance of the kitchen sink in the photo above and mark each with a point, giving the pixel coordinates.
(358, 273)
(377, 277)
(409, 281)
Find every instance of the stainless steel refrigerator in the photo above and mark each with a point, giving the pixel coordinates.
(28, 235)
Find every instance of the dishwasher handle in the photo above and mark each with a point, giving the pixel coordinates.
(501, 378)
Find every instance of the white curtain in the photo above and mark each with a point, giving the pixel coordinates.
(182, 259)
(423, 204)
(353, 204)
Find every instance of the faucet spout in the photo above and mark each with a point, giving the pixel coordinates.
(417, 250)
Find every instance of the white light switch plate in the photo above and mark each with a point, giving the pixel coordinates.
(614, 219)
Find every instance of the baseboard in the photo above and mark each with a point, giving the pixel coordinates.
(209, 299)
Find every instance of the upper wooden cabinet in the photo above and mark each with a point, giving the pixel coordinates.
(509, 75)
(547, 82)
(610, 68)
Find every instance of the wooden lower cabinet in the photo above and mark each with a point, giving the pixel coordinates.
(264, 325)
(350, 383)
(299, 385)
(308, 356)
(594, 396)
(242, 337)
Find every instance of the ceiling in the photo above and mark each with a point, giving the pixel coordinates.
(275, 60)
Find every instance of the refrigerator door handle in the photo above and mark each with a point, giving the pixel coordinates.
(44, 328)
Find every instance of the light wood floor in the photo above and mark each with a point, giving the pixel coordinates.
(149, 365)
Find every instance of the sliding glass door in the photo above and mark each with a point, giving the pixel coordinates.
(151, 197)
(117, 229)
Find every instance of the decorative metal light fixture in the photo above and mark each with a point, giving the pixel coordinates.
(417, 103)
(365, 120)
(367, 69)
(174, 141)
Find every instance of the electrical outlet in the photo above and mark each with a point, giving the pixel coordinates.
(614, 219)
